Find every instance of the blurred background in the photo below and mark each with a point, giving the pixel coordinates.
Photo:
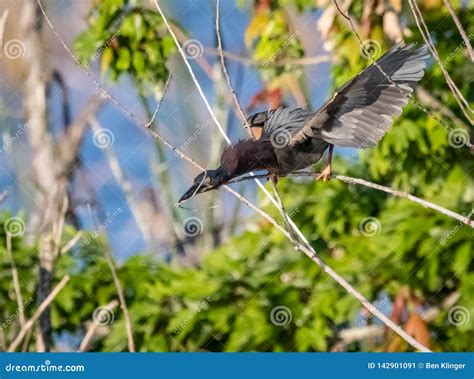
(88, 197)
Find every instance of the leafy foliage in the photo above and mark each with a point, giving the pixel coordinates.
(127, 40)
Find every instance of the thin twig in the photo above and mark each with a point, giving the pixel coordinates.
(39, 311)
(3, 20)
(152, 120)
(305, 61)
(464, 219)
(243, 117)
(3, 196)
(191, 72)
(16, 281)
(373, 61)
(310, 252)
(307, 250)
(420, 22)
(464, 36)
(72, 242)
(84, 346)
(126, 186)
(119, 288)
(347, 179)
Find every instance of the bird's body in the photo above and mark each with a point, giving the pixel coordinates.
(290, 139)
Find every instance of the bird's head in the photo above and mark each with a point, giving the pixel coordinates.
(206, 181)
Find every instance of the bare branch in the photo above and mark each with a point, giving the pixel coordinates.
(69, 142)
(347, 179)
(16, 281)
(84, 346)
(191, 72)
(42, 307)
(243, 117)
(3, 20)
(68, 246)
(464, 36)
(361, 43)
(119, 288)
(309, 251)
(152, 120)
(464, 219)
(420, 22)
(305, 61)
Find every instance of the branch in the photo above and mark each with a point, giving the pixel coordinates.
(125, 185)
(310, 252)
(69, 142)
(464, 219)
(84, 346)
(152, 120)
(305, 61)
(420, 22)
(16, 282)
(42, 307)
(119, 288)
(191, 72)
(464, 36)
(361, 43)
(68, 246)
(347, 179)
(307, 249)
(243, 117)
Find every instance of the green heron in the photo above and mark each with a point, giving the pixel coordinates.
(290, 139)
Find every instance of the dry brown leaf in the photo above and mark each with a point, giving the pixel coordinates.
(417, 328)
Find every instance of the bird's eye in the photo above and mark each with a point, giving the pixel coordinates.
(208, 180)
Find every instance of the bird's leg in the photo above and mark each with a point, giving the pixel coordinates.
(274, 178)
(327, 171)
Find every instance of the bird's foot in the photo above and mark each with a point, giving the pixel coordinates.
(274, 178)
(325, 175)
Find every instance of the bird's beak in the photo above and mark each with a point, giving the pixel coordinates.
(194, 190)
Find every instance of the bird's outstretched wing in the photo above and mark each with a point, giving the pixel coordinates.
(361, 112)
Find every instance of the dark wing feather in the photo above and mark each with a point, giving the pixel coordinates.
(361, 112)
(279, 124)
